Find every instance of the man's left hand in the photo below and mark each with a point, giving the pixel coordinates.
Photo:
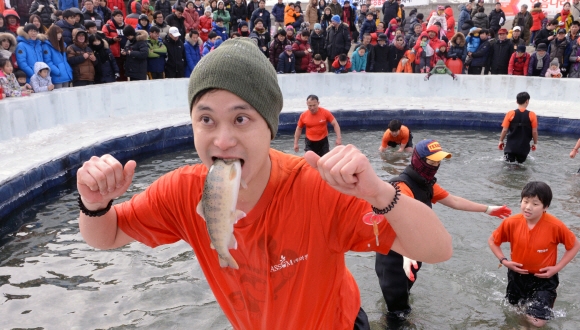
(547, 272)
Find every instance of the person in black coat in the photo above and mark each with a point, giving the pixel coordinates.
(500, 53)
(177, 20)
(496, 19)
(390, 10)
(262, 13)
(396, 51)
(337, 40)
(44, 9)
(286, 61)
(175, 65)
(164, 6)
(380, 55)
(317, 41)
(136, 51)
(106, 69)
(546, 34)
(239, 13)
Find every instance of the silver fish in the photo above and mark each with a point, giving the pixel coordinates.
(218, 207)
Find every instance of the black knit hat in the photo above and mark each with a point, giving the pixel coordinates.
(29, 27)
(129, 31)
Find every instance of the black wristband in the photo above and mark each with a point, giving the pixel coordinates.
(502, 259)
(390, 206)
(97, 213)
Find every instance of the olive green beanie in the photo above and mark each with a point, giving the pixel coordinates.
(239, 67)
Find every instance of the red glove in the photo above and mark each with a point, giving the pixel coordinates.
(500, 146)
(499, 211)
(533, 147)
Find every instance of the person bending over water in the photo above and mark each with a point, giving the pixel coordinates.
(534, 236)
(302, 214)
(397, 273)
(395, 135)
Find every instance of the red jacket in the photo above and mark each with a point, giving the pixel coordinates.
(119, 4)
(300, 48)
(450, 23)
(518, 66)
(336, 63)
(537, 16)
(320, 68)
(110, 31)
(191, 19)
(204, 23)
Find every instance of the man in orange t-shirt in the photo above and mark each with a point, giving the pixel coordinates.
(397, 134)
(316, 120)
(534, 236)
(520, 126)
(396, 272)
(301, 214)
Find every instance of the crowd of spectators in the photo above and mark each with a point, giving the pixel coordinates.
(79, 43)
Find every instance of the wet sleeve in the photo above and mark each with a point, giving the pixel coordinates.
(405, 138)
(534, 119)
(438, 193)
(386, 138)
(507, 119)
(501, 234)
(567, 237)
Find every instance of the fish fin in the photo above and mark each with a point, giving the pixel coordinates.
(238, 215)
(245, 186)
(233, 244)
(199, 210)
(211, 246)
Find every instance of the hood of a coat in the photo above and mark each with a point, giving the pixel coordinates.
(10, 37)
(39, 66)
(458, 39)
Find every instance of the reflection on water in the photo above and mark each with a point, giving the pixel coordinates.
(50, 278)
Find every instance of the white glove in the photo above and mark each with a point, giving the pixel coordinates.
(40, 7)
(407, 263)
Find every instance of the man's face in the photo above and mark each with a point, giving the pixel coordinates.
(262, 5)
(154, 35)
(541, 53)
(469, 7)
(370, 17)
(561, 36)
(118, 19)
(89, 6)
(312, 105)
(77, 18)
(245, 28)
(361, 52)
(227, 127)
(259, 26)
(174, 38)
(502, 36)
(516, 33)
(11, 20)
(158, 19)
(497, 7)
(93, 30)
(574, 28)
(523, 9)
(178, 14)
(431, 35)
(33, 34)
(103, 3)
(418, 29)
(220, 24)
(382, 42)
(366, 40)
(71, 20)
(395, 133)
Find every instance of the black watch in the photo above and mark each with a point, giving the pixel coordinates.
(502, 259)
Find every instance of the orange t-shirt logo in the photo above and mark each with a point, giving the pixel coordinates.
(434, 146)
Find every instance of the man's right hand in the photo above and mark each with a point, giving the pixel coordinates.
(102, 179)
(515, 266)
(296, 147)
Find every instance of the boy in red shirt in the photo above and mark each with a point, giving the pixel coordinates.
(301, 214)
(397, 134)
(534, 236)
(316, 120)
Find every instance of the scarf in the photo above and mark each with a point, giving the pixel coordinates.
(422, 168)
(14, 27)
(346, 15)
(540, 64)
(564, 16)
(101, 52)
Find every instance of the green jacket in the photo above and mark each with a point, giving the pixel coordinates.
(225, 15)
(156, 48)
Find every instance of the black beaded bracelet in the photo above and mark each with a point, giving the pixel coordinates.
(390, 206)
(97, 213)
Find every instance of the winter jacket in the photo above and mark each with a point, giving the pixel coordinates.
(553, 73)
(311, 13)
(318, 44)
(348, 16)
(95, 17)
(300, 49)
(60, 69)
(542, 37)
(191, 19)
(262, 39)
(278, 12)
(380, 59)
(472, 43)
(239, 14)
(458, 47)
(567, 21)
(537, 16)
(518, 66)
(464, 15)
(7, 53)
(335, 8)
(23, 7)
(389, 9)
(499, 56)
(290, 15)
(441, 19)
(38, 83)
(164, 6)
(527, 20)
(119, 4)
(145, 28)
(466, 27)
(157, 56)
(406, 67)
(341, 68)
(28, 52)
(45, 13)
(220, 31)
(136, 62)
(286, 63)
(10, 85)
(225, 15)
(395, 55)
(105, 66)
(495, 17)
(481, 21)
(367, 27)
(175, 56)
(164, 29)
(83, 68)
(105, 13)
(481, 55)
(359, 63)
(192, 54)
(450, 32)
(532, 71)
(276, 49)
(179, 23)
(66, 4)
(557, 50)
(264, 15)
(574, 66)
(205, 23)
(313, 68)
(337, 40)
(66, 31)
(111, 30)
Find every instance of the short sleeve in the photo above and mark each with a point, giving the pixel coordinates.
(501, 234)
(567, 237)
(507, 119)
(438, 193)
(329, 116)
(533, 119)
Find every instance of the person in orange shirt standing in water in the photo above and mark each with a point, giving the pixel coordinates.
(396, 272)
(520, 126)
(397, 134)
(534, 236)
(316, 120)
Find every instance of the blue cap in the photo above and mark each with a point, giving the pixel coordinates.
(431, 149)
(335, 19)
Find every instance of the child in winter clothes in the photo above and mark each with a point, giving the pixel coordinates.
(368, 25)
(359, 59)
(40, 80)
(406, 63)
(9, 82)
(219, 29)
(106, 68)
(286, 61)
(554, 69)
(440, 54)
(519, 62)
(392, 30)
(342, 64)
(473, 42)
(210, 43)
(317, 65)
(423, 54)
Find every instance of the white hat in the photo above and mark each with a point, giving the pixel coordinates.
(174, 31)
(517, 28)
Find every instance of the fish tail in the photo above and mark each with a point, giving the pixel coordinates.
(228, 262)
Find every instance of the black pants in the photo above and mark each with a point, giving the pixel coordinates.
(409, 144)
(474, 70)
(538, 294)
(173, 74)
(321, 147)
(156, 75)
(79, 83)
(511, 157)
(395, 284)
(362, 321)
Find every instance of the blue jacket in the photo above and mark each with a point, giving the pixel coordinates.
(28, 52)
(472, 43)
(480, 56)
(286, 64)
(221, 31)
(192, 55)
(265, 17)
(66, 31)
(145, 28)
(207, 46)
(60, 70)
(367, 27)
(278, 12)
(359, 63)
(66, 4)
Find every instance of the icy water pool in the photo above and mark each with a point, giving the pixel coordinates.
(50, 279)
